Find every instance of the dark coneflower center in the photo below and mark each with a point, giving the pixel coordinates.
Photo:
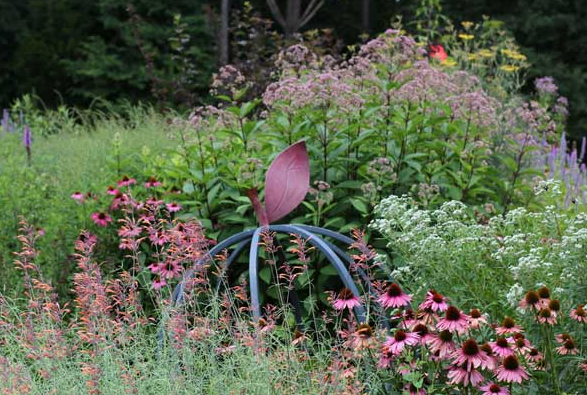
(502, 342)
(569, 344)
(118, 195)
(298, 334)
(520, 343)
(452, 314)
(365, 330)
(508, 323)
(125, 178)
(533, 352)
(445, 336)
(470, 347)
(394, 290)
(399, 336)
(511, 363)
(346, 294)
(494, 389)
(554, 305)
(475, 313)
(421, 330)
(532, 297)
(102, 216)
(486, 348)
(437, 298)
(545, 313)
(565, 336)
(544, 293)
(580, 311)
(408, 314)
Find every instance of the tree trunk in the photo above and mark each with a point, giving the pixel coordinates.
(292, 23)
(223, 33)
(366, 17)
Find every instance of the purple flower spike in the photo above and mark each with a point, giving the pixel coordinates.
(27, 137)
(6, 123)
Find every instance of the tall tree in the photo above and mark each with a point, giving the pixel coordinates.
(366, 17)
(295, 18)
(223, 45)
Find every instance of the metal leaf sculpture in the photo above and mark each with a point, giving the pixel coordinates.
(287, 182)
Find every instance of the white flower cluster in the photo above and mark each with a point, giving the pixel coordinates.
(450, 250)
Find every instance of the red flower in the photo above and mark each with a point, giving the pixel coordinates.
(437, 52)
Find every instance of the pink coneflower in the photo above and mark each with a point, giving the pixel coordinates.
(510, 371)
(363, 337)
(568, 348)
(460, 375)
(126, 181)
(521, 344)
(299, 337)
(491, 357)
(101, 219)
(155, 267)
(385, 358)
(501, 347)
(454, 321)
(346, 299)
(159, 283)
(531, 300)
(413, 390)
(427, 317)
(470, 356)
(394, 297)
(442, 343)
(561, 338)
(264, 326)
(154, 202)
(434, 301)
(112, 191)
(544, 294)
(400, 340)
(554, 305)
(508, 327)
(534, 355)
(423, 332)
(546, 316)
(579, 314)
(173, 207)
(169, 269)
(408, 319)
(152, 183)
(494, 389)
(78, 196)
(583, 366)
(476, 319)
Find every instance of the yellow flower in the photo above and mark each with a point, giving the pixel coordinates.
(448, 62)
(485, 53)
(509, 68)
(466, 36)
(467, 24)
(472, 57)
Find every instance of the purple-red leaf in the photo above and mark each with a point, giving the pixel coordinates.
(287, 181)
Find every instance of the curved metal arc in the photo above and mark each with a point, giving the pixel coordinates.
(234, 255)
(343, 273)
(177, 294)
(253, 273)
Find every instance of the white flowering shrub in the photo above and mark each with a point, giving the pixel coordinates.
(449, 250)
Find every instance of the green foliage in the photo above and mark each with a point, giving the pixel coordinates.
(131, 55)
(80, 158)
